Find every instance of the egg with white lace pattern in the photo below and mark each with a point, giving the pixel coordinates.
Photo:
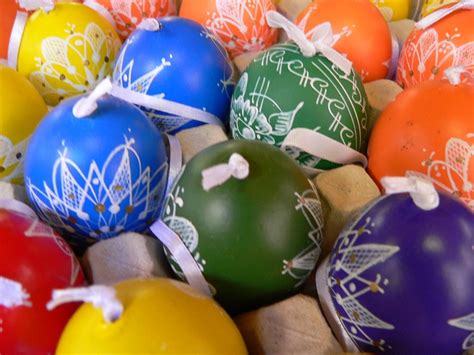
(128, 14)
(396, 256)
(66, 51)
(177, 60)
(428, 52)
(97, 176)
(240, 25)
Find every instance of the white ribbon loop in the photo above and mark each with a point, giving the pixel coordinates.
(86, 106)
(170, 107)
(102, 297)
(443, 12)
(176, 160)
(182, 255)
(322, 40)
(32, 5)
(149, 24)
(217, 175)
(12, 294)
(15, 38)
(101, 10)
(453, 74)
(421, 190)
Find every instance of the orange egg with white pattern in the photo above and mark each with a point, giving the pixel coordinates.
(361, 33)
(240, 25)
(128, 14)
(428, 52)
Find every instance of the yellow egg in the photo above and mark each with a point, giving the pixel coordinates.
(160, 316)
(21, 109)
(67, 51)
(393, 10)
(432, 5)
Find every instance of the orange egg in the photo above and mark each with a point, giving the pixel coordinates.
(129, 13)
(8, 11)
(429, 130)
(428, 52)
(241, 25)
(361, 31)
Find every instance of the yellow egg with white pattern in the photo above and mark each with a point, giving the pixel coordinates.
(393, 10)
(21, 109)
(66, 51)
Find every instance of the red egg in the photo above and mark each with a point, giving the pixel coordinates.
(34, 256)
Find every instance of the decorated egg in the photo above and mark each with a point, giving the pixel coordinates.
(178, 72)
(429, 130)
(393, 10)
(429, 50)
(128, 14)
(361, 33)
(66, 51)
(8, 9)
(158, 316)
(98, 174)
(322, 124)
(249, 254)
(399, 274)
(21, 109)
(240, 25)
(34, 262)
(430, 6)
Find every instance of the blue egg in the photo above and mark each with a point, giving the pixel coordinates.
(97, 176)
(180, 62)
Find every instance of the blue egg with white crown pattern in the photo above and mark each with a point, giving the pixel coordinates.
(94, 177)
(179, 61)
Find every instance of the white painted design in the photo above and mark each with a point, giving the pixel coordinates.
(354, 260)
(37, 229)
(75, 64)
(247, 120)
(98, 202)
(466, 323)
(301, 265)
(455, 170)
(232, 15)
(182, 227)
(12, 157)
(125, 12)
(440, 51)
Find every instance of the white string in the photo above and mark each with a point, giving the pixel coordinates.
(421, 190)
(176, 160)
(453, 74)
(103, 297)
(443, 12)
(217, 175)
(149, 24)
(15, 38)
(12, 294)
(182, 255)
(322, 40)
(32, 5)
(87, 105)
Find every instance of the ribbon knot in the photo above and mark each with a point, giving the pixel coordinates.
(421, 190)
(443, 12)
(453, 74)
(103, 297)
(149, 24)
(87, 105)
(321, 42)
(217, 175)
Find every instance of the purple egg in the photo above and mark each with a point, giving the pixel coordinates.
(401, 279)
